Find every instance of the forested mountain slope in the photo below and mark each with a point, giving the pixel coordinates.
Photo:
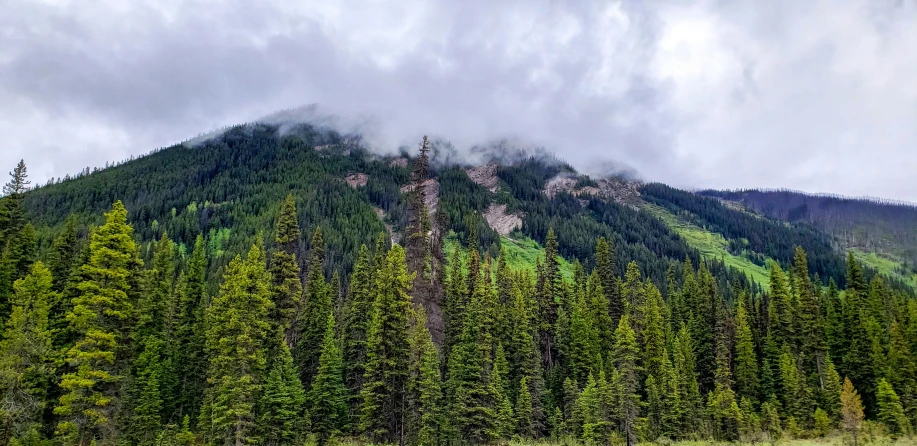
(274, 285)
(870, 225)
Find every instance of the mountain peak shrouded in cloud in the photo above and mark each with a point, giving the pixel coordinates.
(815, 95)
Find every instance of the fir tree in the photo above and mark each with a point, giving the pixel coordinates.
(100, 319)
(746, 360)
(653, 332)
(626, 357)
(830, 395)
(387, 352)
(356, 314)
(683, 361)
(286, 286)
(187, 350)
(152, 308)
(27, 356)
(64, 250)
(593, 407)
(424, 384)
(328, 398)
(281, 409)
(606, 270)
(237, 342)
(889, 410)
(146, 417)
(317, 308)
(525, 424)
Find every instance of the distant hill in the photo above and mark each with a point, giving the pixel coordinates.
(885, 227)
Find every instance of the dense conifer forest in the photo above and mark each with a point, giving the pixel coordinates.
(242, 292)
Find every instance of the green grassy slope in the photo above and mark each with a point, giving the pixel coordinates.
(521, 252)
(710, 244)
(886, 266)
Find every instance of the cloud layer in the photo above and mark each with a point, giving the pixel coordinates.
(817, 95)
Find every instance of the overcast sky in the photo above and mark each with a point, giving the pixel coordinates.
(817, 95)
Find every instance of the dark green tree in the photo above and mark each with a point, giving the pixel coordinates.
(328, 398)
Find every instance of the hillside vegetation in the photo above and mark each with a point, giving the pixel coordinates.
(244, 292)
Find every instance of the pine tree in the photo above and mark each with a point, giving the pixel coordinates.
(781, 312)
(152, 308)
(146, 398)
(187, 351)
(746, 360)
(683, 361)
(356, 314)
(281, 409)
(286, 286)
(424, 384)
(605, 267)
(626, 357)
(525, 424)
(16, 256)
(456, 302)
(237, 342)
(318, 306)
(328, 398)
(600, 313)
(851, 410)
(100, 318)
(582, 344)
(654, 353)
(810, 324)
(889, 410)
(471, 393)
(672, 400)
(500, 384)
(592, 405)
(64, 250)
(549, 284)
(387, 352)
(792, 384)
(27, 356)
(830, 395)
(722, 404)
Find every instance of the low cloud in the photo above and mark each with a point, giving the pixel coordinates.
(816, 95)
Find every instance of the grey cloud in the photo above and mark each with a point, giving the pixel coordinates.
(700, 94)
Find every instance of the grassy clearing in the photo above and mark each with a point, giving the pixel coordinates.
(521, 252)
(884, 266)
(710, 244)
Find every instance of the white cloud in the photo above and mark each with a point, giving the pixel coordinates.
(816, 95)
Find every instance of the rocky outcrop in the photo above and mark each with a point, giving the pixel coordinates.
(399, 162)
(356, 180)
(485, 175)
(431, 194)
(616, 189)
(499, 220)
(394, 236)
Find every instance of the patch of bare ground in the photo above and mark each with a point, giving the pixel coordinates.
(485, 175)
(622, 191)
(394, 236)
(500, 221)
(431, 194)
(356, 180)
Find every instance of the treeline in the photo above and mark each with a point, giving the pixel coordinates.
(101, 347)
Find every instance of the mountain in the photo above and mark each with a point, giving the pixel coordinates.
(233, 183)
(280, 283)
(880, 232)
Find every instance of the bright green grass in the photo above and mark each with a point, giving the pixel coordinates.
(710, 244)
(520, 253)
(884, 266)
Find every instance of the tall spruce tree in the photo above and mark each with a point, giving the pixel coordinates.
(387, 353)
(281, 410)
(356, 320)
(626, 360)
(318, 306)
(328, 398)
(101, 319)
(286, 285)
(424, 385)
(746, 360)
(188, 346)
(889, 410)
(27, 356)
(237, 342)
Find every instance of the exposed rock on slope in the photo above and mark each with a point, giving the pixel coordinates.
(399, 162)
(500, 221)
(485, 175)
(616, 189)
(394, 236)
(431, 194)
(357, 179)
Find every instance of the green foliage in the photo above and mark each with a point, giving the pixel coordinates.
(27, 357)
(387, 351)
(889, 410)
(328, 398)
(101, 319)
(317, 308)
(237, 341)
(281, 409)
(286, 285)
